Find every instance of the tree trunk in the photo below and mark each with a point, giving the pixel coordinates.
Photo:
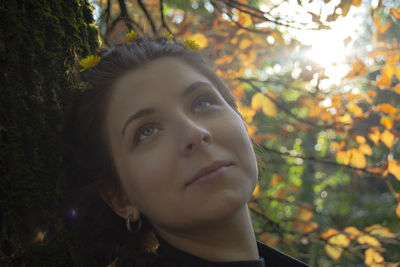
(39, 43)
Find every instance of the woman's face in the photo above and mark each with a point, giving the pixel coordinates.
(156, 153)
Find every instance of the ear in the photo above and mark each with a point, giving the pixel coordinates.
(120, 204)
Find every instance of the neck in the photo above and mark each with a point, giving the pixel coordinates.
(230, 240)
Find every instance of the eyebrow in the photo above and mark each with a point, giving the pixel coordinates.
(147, 111)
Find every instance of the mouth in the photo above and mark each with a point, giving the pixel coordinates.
(213, 170)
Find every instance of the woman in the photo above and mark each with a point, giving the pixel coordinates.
(157, 142)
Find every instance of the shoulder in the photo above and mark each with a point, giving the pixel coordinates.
(274, 257)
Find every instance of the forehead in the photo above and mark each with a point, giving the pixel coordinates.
(155, 84)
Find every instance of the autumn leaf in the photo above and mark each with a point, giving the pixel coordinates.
(338, 146)
(340, 240)
(359, 69)
(397, 88)
(345, 119)
(304, 214)
(200, 39)
(333, 251)
(370, 240)
(387, 138)
(365, 149)
(260, 101)
(352, 232)
(328, 233)
(308, 227)
(386, 108)
(355, 109)
(372, 257)
(356, 2)
(357, 158)
(247, 112)
(343, 157)
(276, 178)
(256, 191)
(374, 135)
(244, 19)
(269, 239)
(380, 230)
(394, 168)
(387, 122)
(395, 13)
(360, 139)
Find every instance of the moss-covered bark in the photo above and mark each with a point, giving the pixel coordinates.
(38, 41)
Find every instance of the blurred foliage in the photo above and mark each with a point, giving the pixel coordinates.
(328, 190)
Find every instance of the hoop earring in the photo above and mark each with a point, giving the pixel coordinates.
(128, 224)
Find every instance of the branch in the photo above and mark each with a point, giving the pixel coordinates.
(147, 15)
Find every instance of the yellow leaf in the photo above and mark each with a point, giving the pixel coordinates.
(360, 139)
(358, 158)
(370, 240)
(244, 19)
(394, 168)
(333, 251)
(224, 60)
(269, 107)
(244, 43)
(372, 257)
(387, 138)
(380, 230)
(356, 2)
(200, 39)
(385, 81)
(345, 119)
(386, 108)
(257, 101)
(352, 232)
(340, 240)
(365, 149)
(338, 146)
(328, 233)
(356, 110)
(256, 191)
(247, 112)
(251, 130)
(374, 135)
(304, 214)
(344, 157)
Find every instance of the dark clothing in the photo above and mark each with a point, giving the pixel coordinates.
(169, 256)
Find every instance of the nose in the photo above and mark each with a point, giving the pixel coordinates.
(193, 136)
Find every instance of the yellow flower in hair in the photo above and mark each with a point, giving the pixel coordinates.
(169, 35)
(130, 36)
(89, 62)
(191, 44)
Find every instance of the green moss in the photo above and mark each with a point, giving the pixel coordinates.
(36, 42)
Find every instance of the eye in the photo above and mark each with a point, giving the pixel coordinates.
(204, 99)
(146, 131)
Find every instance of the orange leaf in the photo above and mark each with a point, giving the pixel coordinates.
(304, 214)
(394, 168)
(386, 108)
(256, 191)
(244, 43)
(365, 149)
(356, 2)
(269, 239)
(387, 122)
(276, 179)
(261, 137)
(387, 138)
(371, 93)
(397, 72)
(357, 158)
(380, 230)
(360, 139)
(352, 232)
(337, 146)
(385, 81)
(374, 135)
(328, 233)
(397, 88)
(309, 227)
(355, 109)
(395, 13)
(359, 69)
(372, 257)
(224, 60)
(244, 19)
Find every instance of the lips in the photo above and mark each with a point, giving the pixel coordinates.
(208, 169)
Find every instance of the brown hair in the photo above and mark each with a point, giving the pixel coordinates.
(101, 232)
